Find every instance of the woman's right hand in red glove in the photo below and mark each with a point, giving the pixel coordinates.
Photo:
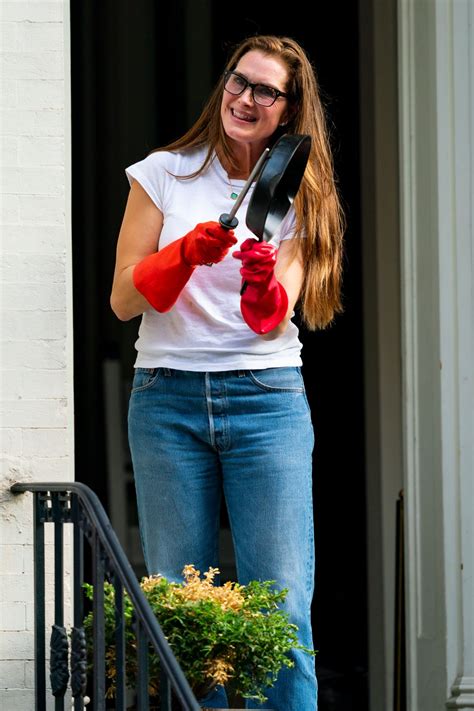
(161, 276)
(145, 277)
(207, 243)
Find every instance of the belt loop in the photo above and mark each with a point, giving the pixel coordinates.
(167, 372)
(241, 373)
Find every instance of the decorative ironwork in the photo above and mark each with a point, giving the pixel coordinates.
(78, 662)
(74, 503)
(59, 668)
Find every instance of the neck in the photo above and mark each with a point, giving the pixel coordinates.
(246, 155)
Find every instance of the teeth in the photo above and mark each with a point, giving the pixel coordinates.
(244, 117)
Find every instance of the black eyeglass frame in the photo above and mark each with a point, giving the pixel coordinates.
(252, 86)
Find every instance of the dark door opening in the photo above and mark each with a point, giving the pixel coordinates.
(131, 88)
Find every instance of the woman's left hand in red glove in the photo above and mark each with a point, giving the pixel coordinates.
(264, 303)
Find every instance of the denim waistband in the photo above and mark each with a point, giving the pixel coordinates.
(241, 372)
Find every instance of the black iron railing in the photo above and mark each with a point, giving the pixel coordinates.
(76, 504)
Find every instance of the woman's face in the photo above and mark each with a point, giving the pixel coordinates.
(245, 121)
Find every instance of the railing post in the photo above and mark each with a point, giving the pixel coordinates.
(165, 692)
(40, 633)
(99, 626)
(59, 645)
(78, 638)
(142, 654)
(119, 645)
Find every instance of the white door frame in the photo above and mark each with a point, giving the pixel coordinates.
(436, 89)
(417, 183)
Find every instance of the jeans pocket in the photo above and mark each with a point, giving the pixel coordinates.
(283, 380)
(144, 378)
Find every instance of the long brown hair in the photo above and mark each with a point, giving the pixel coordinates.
(319, 214)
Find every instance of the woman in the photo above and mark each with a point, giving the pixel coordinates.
(218, 402)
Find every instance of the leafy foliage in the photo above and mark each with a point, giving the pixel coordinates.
(230, 633)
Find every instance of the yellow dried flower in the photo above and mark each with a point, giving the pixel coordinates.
(219, 670)
(149, 583)
(211, 574)
(195, 588)
(190, 573)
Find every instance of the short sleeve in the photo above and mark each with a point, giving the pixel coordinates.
(286, 229)
(153, 175)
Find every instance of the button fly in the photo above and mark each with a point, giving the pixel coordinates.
(217, 407)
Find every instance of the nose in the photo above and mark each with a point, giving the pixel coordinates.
(247, 95)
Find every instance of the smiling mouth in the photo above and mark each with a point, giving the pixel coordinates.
(243, 116)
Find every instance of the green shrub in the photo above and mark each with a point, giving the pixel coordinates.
(230, 633)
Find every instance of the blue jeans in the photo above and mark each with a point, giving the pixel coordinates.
(247, 434)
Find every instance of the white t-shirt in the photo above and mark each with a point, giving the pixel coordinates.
(204, 331)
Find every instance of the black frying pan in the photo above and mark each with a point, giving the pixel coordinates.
(279, 172)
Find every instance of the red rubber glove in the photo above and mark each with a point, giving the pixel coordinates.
(264, 302)
(207, 243)
(161, 276)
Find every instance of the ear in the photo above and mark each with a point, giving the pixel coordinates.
(288, 116)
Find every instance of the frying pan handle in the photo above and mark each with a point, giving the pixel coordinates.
(228, 222)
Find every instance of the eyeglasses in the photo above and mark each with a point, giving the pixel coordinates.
(262, 94)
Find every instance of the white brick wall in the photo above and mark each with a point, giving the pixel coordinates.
(36, 405)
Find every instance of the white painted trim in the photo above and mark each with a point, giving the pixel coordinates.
(409, 324)
(436, 148)
(68, 233)
(462, 694)
(456, 132)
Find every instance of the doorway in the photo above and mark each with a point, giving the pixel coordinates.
(140, 72)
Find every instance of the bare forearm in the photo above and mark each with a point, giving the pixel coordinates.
(125, 300)
(278, 331)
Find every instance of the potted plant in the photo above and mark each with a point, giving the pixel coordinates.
(220, 634)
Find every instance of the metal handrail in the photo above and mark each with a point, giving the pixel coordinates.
(104, 536)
